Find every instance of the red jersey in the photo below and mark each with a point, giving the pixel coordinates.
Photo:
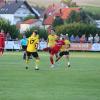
(2, 41)
(57, 46)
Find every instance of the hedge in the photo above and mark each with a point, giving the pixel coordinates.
(77, 29)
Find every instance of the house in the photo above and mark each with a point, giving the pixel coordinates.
(97, 23)
(28, 24)
(60, 10)
(16, 11)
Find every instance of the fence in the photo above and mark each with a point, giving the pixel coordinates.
(15, 45)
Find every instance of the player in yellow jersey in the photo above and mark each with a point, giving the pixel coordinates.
(52, 37)
(64, 51)
(32, 46)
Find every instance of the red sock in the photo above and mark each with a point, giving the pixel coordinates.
(51, 60)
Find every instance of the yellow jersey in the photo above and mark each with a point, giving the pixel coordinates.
(66, 46)
(52, 40)
(32, 43)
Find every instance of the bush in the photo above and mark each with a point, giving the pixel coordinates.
(58, 21)
(77, 29)
(42, 32)
(29, 17)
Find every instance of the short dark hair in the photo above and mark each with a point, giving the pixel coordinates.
(36, 32)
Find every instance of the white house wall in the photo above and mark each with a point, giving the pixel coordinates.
(24, 27)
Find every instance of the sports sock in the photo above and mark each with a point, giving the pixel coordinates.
(37, 63)
(68, 63)
(51, 60)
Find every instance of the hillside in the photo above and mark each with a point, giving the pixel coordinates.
(79, 2)
(95, 3)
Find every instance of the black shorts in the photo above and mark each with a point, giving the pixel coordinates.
(24, 47)
(62, 53)
(34, 54)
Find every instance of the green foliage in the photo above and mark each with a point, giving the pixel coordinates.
(81, 16)
(92, 9)
(77, 29)
(7, 27)
(74, 17)
(29, 17)
(94, 15)
(42, 32)
(58, 21)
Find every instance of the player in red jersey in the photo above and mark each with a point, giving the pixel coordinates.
(54, 50)
(2, 42)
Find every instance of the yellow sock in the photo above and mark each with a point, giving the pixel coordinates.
(27, 61)
(37, 62)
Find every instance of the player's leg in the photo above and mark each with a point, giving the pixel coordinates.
(1, 51)
(24, 52)
(37, 60)
(59, 57)
(28, 54)
(51, 59)
(46, 49)
(67, 57)
(24, 55)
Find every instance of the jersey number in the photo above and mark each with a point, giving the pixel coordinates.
(31, 41)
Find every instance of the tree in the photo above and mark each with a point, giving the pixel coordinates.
(29, 17)
(81, 16)
(7, 27)
(77, 29)
(42, 33)
(74, 17)
(58, 21)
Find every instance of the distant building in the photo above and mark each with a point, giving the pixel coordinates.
(98, 23)
(29, 23)
(16, 11)
(61, 10)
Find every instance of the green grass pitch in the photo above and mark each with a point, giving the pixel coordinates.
(80, 82)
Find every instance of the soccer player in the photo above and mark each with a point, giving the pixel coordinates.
(52, 39)
(32, 46)
(64, 51)
(2, 42)
(24, 46)
(55, 49)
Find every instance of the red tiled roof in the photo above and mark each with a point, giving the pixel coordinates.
(63, 13)
(30, 21)
(66, 12)
(49, 20)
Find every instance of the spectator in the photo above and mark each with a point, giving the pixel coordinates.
(83, 39)
(77, 39)
(24, 46)
(8, 37)
(72, 38)
(90, 39)
(96, 38)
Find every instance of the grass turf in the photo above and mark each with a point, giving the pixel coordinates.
(80, 82)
